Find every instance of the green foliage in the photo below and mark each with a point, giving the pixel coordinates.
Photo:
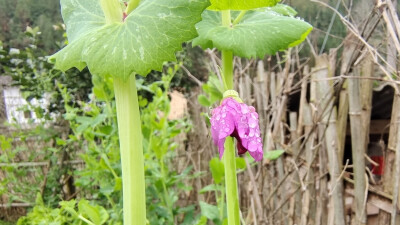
(240, 4)
(20, 184)
(217, 170)
(36, 78)
(213, 89)
(69, 212)
(274, 154)
(16, 15)
(258, 33)
(94, 130)
(139, 44)
(162, 181)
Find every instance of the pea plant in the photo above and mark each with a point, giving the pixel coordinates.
(119, 40)
(247, 29)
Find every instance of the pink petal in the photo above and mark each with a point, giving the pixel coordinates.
(238, 120)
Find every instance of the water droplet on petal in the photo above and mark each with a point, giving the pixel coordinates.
(252, 123)
(244, 108)
(251, 134)
(252, 146)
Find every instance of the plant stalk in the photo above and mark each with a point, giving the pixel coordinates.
(227, 56)
(112, 10)
(130, 138)
(232, 199)
(239, 17)
(133, 4)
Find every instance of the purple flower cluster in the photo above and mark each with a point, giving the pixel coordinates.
(237, 120)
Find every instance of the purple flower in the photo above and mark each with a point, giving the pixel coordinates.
(237, 120)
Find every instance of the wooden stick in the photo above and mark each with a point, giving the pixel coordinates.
(325, 93)
(358, 143)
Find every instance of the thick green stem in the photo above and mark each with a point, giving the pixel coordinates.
(130, 139)
(133, 4)
(239, 17)
(227, 56)
(227, 69)
(232, 199)
(112, 10)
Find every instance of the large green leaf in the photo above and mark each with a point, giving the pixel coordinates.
(258, 33)
(240, 4)
(149, 36)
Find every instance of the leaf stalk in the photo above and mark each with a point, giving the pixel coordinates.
(112, 10)
(133, 4)
(130, 138)
(232, 199)
(239, 17)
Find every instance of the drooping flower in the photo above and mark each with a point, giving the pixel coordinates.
(240, 121)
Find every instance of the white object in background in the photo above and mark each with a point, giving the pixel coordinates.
(14, 104)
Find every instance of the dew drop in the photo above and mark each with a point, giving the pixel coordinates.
(244, 109)
(251, 134)
(124, 55)
(252, 123)
(141, 51)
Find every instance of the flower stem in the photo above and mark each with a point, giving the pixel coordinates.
(130, 138)
(232, 199)
(227, 56)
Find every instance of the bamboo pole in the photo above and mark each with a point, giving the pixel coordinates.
(303, 99)
(295, 142)
(396, 180)
(328, 113)
(260, 94)
(308, 207)
(358, 143)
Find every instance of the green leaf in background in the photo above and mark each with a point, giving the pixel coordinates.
(203, 100)
(258, 33)
(97, 214)
(211, 187)
(214, 89)
(274, 154)
(149, 36)
(240, 4)
(209, 211)
(217, 170)
(240, 163)
(202, 221)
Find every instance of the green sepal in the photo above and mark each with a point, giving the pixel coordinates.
(260, 32)
(232, 94)
(149, 36)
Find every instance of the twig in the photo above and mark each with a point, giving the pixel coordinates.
(33, 164)
(191, 76)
